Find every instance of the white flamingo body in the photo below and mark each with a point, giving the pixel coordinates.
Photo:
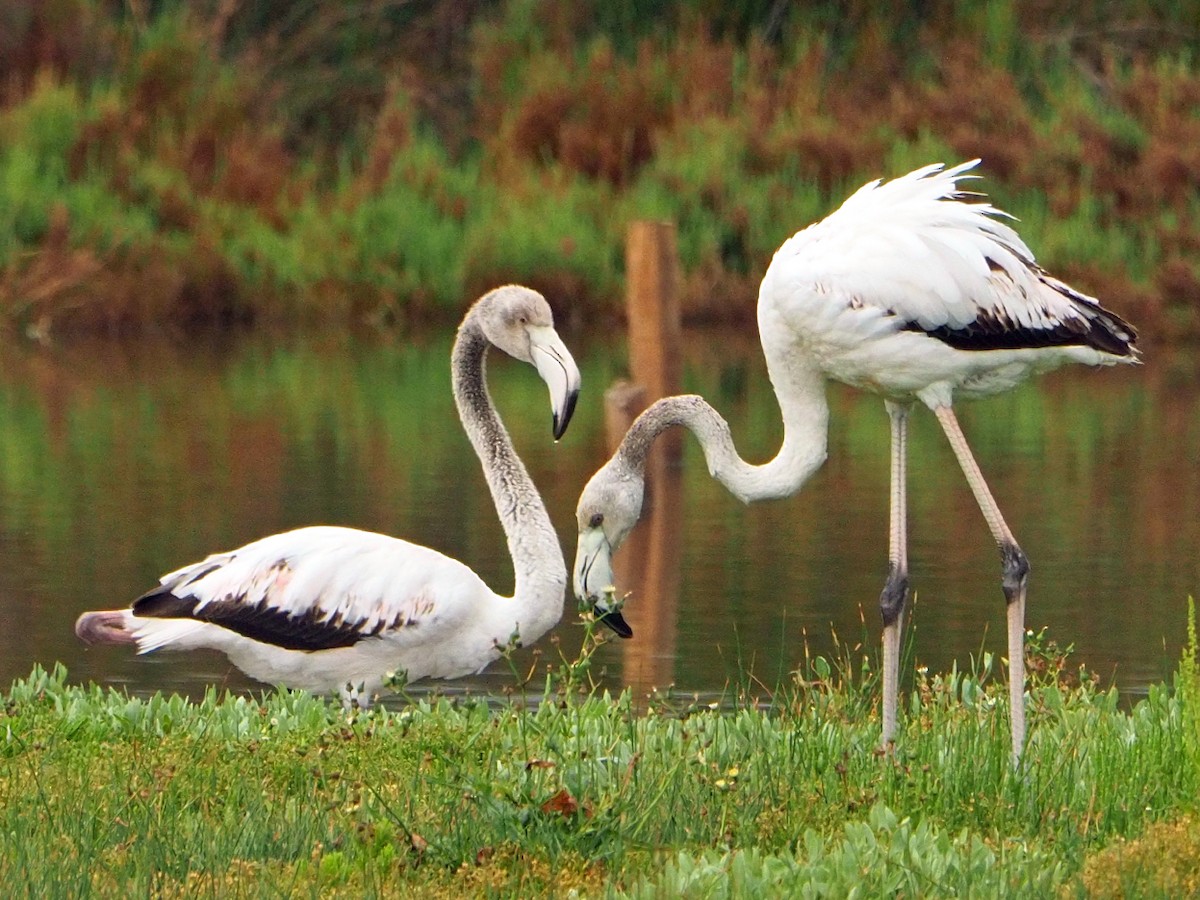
(328, 608)
(909, 292)
(398, 606)
(904, 366)
(859, 295)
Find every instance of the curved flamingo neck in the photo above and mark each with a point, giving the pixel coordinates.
(805, 419)
(541, 571)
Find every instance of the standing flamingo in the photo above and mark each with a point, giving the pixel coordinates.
(908, 291)
(330, 609)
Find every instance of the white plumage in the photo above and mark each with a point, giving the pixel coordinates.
(890, 290)
(295, 594)
(909, 290)
(327, 608)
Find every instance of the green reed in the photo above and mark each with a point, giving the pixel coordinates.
(179, 165)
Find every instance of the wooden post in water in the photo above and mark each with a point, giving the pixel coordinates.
(622, 403)
(648, 565)
(652, 301)
(655, 324)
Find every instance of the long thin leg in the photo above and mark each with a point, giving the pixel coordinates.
(1014, 566)
(895, 591)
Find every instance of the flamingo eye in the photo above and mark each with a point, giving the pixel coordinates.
(597, 520)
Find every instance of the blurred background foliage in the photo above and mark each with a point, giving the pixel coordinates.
(236, 161)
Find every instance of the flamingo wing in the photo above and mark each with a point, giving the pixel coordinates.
(912, 255)
(317, 588)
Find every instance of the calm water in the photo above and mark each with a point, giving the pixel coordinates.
(121, 462)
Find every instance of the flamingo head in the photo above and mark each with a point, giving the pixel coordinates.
(608, 508)
(518, 321)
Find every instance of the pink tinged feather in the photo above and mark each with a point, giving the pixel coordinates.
(104, 627)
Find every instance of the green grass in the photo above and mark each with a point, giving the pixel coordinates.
(563, 790)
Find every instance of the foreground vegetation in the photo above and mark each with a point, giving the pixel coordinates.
(261, 160)
(581, 794)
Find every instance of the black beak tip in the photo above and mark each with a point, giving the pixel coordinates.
(615, 621)
(561, 422)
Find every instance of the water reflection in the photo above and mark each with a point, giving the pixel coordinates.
(120, 462)
(648, 566)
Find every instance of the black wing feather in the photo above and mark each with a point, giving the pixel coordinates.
(1094, 326)
(259, 622)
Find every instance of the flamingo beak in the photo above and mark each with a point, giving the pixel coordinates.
(614, 620)
(557, 367)
(594, 582)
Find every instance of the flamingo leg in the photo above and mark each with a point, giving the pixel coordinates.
(895, 590)
(1014, 566)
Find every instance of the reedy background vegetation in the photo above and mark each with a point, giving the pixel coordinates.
(227, 161)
